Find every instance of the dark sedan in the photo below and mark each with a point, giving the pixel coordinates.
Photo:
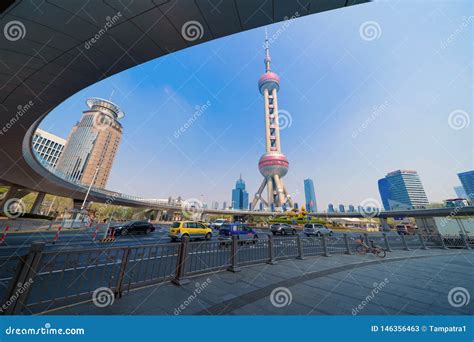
(133, 227)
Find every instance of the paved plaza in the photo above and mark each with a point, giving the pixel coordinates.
(416, 282)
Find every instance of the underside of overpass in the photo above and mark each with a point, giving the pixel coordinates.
(55, 48)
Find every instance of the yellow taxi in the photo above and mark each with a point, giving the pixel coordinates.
(189, 230)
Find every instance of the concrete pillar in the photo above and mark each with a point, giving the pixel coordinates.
(11, 193)
(35, 209)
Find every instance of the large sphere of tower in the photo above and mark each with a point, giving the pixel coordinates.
(271, 164)
(270, 81)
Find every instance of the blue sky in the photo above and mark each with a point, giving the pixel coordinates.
(359, 108)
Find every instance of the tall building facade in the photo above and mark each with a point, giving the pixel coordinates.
(92, 144)
(460, 192)
(48, 147)
(273, 165)
(402, 189)
(240, 197)
(310, 196)
(467, 181)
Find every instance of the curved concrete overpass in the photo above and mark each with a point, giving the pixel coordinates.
(52, 49)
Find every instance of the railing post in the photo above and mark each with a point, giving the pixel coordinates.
(387, 244)
(18, 291)
(299, 244)
(366, 238)
(179, 278)
(405, 245)
(422, 241)
(325, 245)
(466, 243)
(123, 270)
(346, 242)
(233, 256)
(441, 239)
(271, 250)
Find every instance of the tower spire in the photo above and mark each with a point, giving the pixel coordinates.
(267, 53)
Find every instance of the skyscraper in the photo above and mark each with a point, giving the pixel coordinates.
(402, 189)
(92, 144)
(273, 165)
(467, 181)
(331, 208)
(310, 196)
(460, 192)
(48, 147)
(240, 197)
(342, 209)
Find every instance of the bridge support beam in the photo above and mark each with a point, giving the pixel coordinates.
(35, 209)
(8, 195)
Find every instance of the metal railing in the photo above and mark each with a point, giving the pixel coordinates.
(65, 277)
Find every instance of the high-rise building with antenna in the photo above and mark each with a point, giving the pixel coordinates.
(273, 165)
(92, 144)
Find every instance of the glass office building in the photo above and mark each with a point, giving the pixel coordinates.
(240, 197)
(467, 181)
(48, 147)
(402, 189)
(310, 196)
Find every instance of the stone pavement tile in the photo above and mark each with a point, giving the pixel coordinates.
(322, 300)
(352, 291)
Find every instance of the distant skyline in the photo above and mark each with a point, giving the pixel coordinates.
(355, 107)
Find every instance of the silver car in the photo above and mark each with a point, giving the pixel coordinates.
(316, 229)
(282, 229)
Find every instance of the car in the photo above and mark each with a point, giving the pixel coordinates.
(133, 227)
(242, 231)
(282, 229)
(316, 229)
(189, 230)
(405, 229)
(218, 223)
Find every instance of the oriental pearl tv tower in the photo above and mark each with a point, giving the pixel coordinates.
(273, 165)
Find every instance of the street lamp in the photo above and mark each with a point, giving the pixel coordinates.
(90, 186)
